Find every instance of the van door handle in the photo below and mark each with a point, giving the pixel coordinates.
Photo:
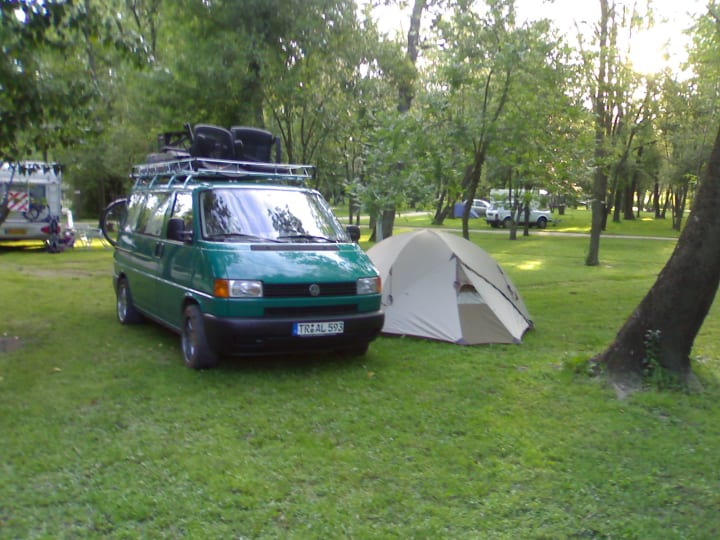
(159, 248)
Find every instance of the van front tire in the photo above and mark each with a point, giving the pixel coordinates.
(126, 312)
(196, 351)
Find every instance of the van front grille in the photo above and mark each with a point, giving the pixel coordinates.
(311, 311)
(299, 290)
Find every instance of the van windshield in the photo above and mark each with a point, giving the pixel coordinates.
(267, 215)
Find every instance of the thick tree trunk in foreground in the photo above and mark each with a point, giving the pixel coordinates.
(681, 297)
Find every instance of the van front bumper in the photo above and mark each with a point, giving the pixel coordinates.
(249, 336)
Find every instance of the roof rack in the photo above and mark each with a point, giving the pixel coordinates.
(204, 169)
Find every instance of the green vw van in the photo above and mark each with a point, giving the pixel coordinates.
(237, 254)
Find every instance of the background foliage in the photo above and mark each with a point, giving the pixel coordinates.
(488, 102)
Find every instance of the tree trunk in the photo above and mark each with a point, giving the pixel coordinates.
(656, 199)
(406, 94)
(593, 257)
(679, 206)
(514, 215)
(680, 299)
(388, 222)
(618, 204)
(629, 199)
(472, 179)
(440, 208)
(353, 210)
(600, 180)
(406, 87)
(441, 214)
(666, 202)
(632, 189)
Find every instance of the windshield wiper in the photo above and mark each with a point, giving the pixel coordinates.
(226, 235)
(309, 237)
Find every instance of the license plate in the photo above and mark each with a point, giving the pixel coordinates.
(318, 328)
(16, 231)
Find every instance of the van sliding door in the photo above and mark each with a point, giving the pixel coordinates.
(147, 252)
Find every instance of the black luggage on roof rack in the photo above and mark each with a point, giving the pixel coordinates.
(253, 144)
(240, 143)
(212, 142)
(211, 150)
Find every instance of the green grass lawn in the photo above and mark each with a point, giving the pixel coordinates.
(105, 434)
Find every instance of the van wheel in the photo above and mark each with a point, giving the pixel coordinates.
(196, 351)
(507, 222)
(541, 223)
(126, 312)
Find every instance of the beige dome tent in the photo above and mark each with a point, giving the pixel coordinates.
(441, 286)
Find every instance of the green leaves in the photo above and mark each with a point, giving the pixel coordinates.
(56, 71)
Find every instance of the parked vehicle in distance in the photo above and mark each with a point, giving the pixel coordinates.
(478, 209)
(481, 206)
(237, 255)
(502, 217)
(32, 190)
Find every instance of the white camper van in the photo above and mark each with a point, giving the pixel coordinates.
(31, 192)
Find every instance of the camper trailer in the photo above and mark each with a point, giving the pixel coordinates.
(30, 201)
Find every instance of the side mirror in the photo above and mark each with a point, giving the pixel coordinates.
(353, 232)
(176, 231)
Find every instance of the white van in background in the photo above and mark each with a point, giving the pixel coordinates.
(30, 201)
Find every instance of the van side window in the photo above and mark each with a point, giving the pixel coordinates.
(183, 209)
(152, 215)
(135, 205)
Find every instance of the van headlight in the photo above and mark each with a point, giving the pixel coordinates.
(369, 285)
(238, 288)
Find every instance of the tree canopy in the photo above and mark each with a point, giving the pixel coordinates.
(470, 99)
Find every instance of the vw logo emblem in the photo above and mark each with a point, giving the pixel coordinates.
(314, 289)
